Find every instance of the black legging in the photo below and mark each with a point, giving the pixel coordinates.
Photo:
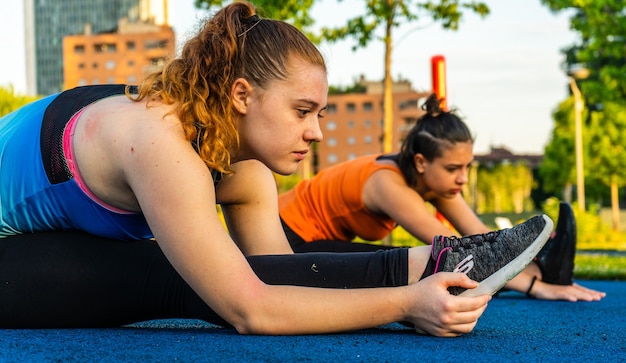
(73, 279)
(298, 244)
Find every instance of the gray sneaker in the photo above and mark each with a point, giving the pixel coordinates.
(492, 259)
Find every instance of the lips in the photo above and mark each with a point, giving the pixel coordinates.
(301, 154)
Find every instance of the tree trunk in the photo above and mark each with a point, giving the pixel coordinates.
(388, 89)
(615, 203)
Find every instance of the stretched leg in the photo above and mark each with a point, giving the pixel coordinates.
(338, 246)
(299, 245)
(334, 270)
(73, 279)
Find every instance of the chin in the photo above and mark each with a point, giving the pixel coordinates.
(449, 195)
(285, 170)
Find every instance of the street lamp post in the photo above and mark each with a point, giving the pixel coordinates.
(580, 171)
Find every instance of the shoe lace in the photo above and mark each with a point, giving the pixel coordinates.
(454, 243)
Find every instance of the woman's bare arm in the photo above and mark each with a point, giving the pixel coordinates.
(249, 200)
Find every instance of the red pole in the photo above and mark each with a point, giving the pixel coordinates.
(438, 67)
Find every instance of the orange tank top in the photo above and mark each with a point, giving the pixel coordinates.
(330, 205)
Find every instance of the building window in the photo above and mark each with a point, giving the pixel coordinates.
(109, 64)
(331, 108)
(331, 125)
(79, 49)
(81, 65)
(351, 140)
(131, 63)
(367, 107)
(111, 80)
(351, 156)
(408, 104)
(351, 107)
(155, 44)
(105, 48)
(332, 158)
(94, 65)
(131, 79)
(368, 139)
(331, 142)
(130, 45)
(351, 124)
(367, 123)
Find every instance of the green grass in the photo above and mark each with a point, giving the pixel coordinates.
(600, 267)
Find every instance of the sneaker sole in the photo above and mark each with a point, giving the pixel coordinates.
(495, 282)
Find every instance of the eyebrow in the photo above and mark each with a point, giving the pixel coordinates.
(457, 165)
(312, 103)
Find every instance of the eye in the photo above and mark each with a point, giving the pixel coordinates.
(303, 112)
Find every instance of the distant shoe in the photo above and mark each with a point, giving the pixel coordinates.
(492, 259)
(556, 258)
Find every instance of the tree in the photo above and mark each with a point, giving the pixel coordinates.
(388, 14)
(504, 188)
(295, 12)
(607, 154)
(558, 166)
(602, 28)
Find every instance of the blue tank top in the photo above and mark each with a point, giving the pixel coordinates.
(37, 190)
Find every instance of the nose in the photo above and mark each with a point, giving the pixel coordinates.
(314, 132)
(462, 177)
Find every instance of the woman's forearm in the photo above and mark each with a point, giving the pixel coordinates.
(286, 310)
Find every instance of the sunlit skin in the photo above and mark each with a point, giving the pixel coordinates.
(439, 182)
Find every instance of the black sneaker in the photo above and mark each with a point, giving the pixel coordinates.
(556, 258)
(492, 259)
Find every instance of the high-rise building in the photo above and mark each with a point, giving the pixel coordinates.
(46, 22)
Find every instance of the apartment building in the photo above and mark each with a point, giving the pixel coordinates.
(126, 55)
(353, 125)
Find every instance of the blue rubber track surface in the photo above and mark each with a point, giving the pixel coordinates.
(513, 328)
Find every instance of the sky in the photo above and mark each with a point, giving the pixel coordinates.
(503, 72)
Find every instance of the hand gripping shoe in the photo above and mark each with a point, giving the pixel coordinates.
(556, 258)
(492, 259)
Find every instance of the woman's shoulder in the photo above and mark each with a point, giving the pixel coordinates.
(126, 116)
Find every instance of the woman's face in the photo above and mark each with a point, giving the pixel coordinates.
(445, 176)
(282, 121)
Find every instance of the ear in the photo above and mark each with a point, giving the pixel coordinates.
(239, 94)
(420, 163)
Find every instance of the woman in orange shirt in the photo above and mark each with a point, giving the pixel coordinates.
(369, 196)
